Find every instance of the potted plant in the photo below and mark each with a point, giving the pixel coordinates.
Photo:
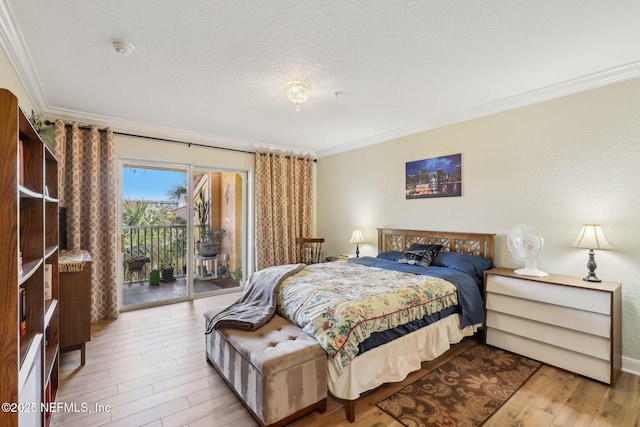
(167, 273)
(237, 273)
(43, 128)
(216, 236)
(223, 271)
(209, 239)
(203, 208)
(212, 241)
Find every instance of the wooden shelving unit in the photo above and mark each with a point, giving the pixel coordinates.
(28, 318)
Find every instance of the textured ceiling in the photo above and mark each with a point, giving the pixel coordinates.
(213, 71)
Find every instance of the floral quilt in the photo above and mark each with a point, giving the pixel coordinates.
(341, 304)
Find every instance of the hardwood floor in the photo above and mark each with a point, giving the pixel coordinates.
(149, 368)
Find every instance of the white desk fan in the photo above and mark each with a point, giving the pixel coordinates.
(525, 244)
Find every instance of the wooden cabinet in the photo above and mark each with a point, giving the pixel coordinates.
(29, 291)
(560, 320)
(75, 301)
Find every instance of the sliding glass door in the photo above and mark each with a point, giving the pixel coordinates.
(182, 232)
(218, 218)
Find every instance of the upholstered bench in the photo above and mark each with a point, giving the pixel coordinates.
(278, 371)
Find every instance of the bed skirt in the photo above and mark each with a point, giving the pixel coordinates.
(393, 361)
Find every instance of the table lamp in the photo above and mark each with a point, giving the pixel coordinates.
(357, 238)
(591, 237)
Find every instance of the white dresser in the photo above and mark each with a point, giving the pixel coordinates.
(560, 320)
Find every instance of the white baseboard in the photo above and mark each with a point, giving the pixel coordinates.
(631, 366)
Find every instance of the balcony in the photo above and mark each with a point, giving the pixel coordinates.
(156, 266)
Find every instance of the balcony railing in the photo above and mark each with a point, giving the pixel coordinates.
(164, 245)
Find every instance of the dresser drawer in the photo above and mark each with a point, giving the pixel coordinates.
(577, 362)
(591, 345)
(552, 314)
(579, 298)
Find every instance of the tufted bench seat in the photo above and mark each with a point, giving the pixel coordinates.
(278, 371)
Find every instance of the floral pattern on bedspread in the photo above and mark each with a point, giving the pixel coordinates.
(341, 304)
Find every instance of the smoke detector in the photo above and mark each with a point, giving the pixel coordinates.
(123, 48)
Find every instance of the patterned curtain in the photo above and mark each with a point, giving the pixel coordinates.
(88, 190)
(284, 206)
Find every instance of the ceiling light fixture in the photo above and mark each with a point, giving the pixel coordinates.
(297, 92)
(123, 48)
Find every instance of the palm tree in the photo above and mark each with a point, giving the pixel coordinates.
(154, 242)
(177, 193)
(140, 213)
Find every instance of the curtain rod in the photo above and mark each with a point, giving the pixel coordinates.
(287, 156)
(172, 141)
(188, 144)
(67, 125)
(195, 144)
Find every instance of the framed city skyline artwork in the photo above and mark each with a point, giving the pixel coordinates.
(434, 177)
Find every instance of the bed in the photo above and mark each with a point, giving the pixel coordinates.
(414, 313)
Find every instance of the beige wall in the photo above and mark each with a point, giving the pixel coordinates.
(554, 165)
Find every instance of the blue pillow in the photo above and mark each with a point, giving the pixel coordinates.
(473, 265)
(390, 255)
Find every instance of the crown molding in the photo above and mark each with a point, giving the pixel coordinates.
(16, 49)
(580, 84)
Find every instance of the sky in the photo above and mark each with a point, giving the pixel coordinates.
(447, 163)
(149, 184)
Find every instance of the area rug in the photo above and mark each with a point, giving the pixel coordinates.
(465, 391)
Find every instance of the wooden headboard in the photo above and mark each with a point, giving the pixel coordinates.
(466, 243)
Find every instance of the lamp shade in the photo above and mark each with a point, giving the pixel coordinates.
(357, 237)
(591, 237)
